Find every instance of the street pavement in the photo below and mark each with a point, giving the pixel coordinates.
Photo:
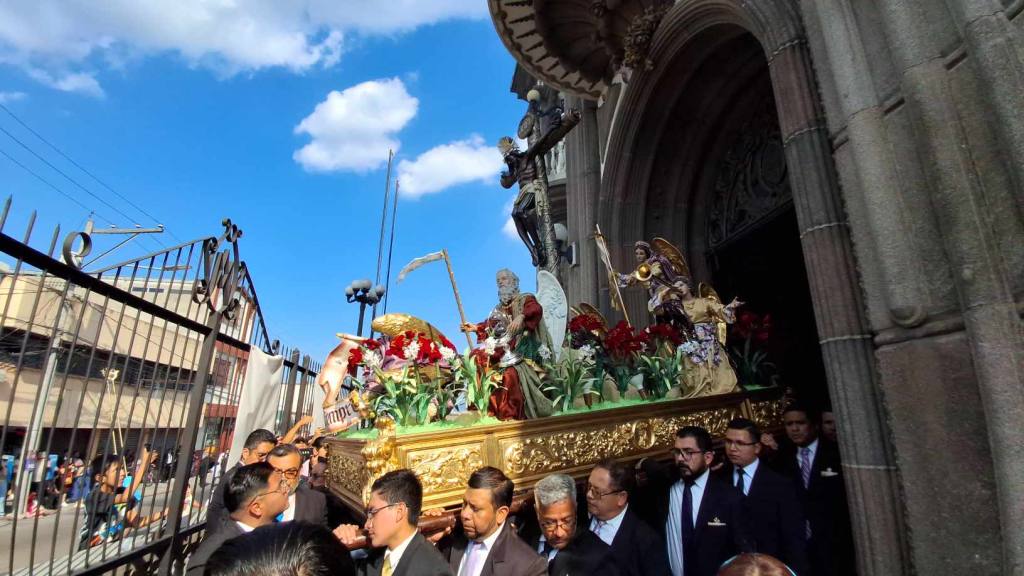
(16, 538)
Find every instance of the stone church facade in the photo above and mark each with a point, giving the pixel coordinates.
(890, 134)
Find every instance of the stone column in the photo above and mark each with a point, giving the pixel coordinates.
(996, 50)
(991, 320)
(846, 346)
(582, 186)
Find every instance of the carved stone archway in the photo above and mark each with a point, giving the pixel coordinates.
(742, 40)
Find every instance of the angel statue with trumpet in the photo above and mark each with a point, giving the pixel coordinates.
(701, 317)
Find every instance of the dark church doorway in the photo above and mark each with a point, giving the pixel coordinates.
(765, 268)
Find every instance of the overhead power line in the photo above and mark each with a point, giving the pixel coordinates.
(52, 146)
(51, 185)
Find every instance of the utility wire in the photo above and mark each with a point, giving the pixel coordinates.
(83, 169)
(70, 179)
(48, 183)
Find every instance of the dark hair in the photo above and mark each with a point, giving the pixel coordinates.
(259, 436)
(284, 450)
(401, 486)
(622, 476)
(495, 480)
(245, 483)
(286, 548)
(748, 425)
(699, 434)
(813, 416)
(101, 463)
(318, 442)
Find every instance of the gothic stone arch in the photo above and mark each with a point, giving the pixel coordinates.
(634, 186)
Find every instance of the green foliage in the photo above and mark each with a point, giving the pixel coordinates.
(752, 368)
(477, 385)
(661, 374)
(406, 399)
(574, 378)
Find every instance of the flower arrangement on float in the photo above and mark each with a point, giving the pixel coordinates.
(416, 379)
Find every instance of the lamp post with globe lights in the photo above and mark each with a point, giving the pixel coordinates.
(364, 292)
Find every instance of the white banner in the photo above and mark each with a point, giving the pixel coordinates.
(261, 394)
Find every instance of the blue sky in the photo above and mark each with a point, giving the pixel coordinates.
(196, 119)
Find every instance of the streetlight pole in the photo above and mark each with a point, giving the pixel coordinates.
(364, 292)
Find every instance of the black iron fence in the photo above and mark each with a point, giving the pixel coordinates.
(147, 356)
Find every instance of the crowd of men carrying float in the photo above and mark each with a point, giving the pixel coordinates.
(777, 507)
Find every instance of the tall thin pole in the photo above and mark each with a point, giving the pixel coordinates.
(380, 241)
(458, 300)
(391, 246)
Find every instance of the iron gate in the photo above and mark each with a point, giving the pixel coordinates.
(146, 354)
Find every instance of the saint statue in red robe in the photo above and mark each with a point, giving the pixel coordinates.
(517, 340)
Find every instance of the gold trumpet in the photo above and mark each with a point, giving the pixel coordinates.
(643, 272)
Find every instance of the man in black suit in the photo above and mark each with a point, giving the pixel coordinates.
(258, 444)
(814, 465)
(304, 503)
(637, 549)
(487, 545)
(391, 518)
(700, 515)
(772, 507)
(255, 496)
(569, 549)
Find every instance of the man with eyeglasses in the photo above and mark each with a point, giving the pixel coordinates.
(257, 445)
(487, 545)
(636, 548)
(392, 515)
(700, 514)
(776, 519)
(568, 548)
(255, 496)
(304, 503)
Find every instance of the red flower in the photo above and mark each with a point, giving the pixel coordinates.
(584, 323)
(372, 344)
(621, 342)
(664, 333)
(355, 358)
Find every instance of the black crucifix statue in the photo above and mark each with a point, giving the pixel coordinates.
(542, 129)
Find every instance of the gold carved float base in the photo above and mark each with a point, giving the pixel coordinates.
(528, 450)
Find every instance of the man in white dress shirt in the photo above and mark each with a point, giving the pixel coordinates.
(487, 545)
(636, 548)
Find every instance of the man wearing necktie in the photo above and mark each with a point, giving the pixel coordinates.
(391, 518)
(637, 549)
(486, 544)
(701, 515)
(812, 463)
(770, 500)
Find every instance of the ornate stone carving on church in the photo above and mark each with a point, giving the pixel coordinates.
(753, 180)
(636, 44)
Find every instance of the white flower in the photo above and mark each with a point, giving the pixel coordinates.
(688, 347)
(447, 354)
(586, 352)
(489, 345)
(372, 360)
(411, 350)
(544, 352)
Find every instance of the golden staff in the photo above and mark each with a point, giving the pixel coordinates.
(613, 285)
(458, 300)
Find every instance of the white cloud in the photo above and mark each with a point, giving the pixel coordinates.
(448, 165)
(509, 228)
(80, 82)
(353, 129)
(6, 97)
(64, 36)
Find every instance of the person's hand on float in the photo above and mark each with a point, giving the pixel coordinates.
(348, 534)
(436, 513)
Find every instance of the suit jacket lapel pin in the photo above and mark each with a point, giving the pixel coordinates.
(716, 522)
(828, 472)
